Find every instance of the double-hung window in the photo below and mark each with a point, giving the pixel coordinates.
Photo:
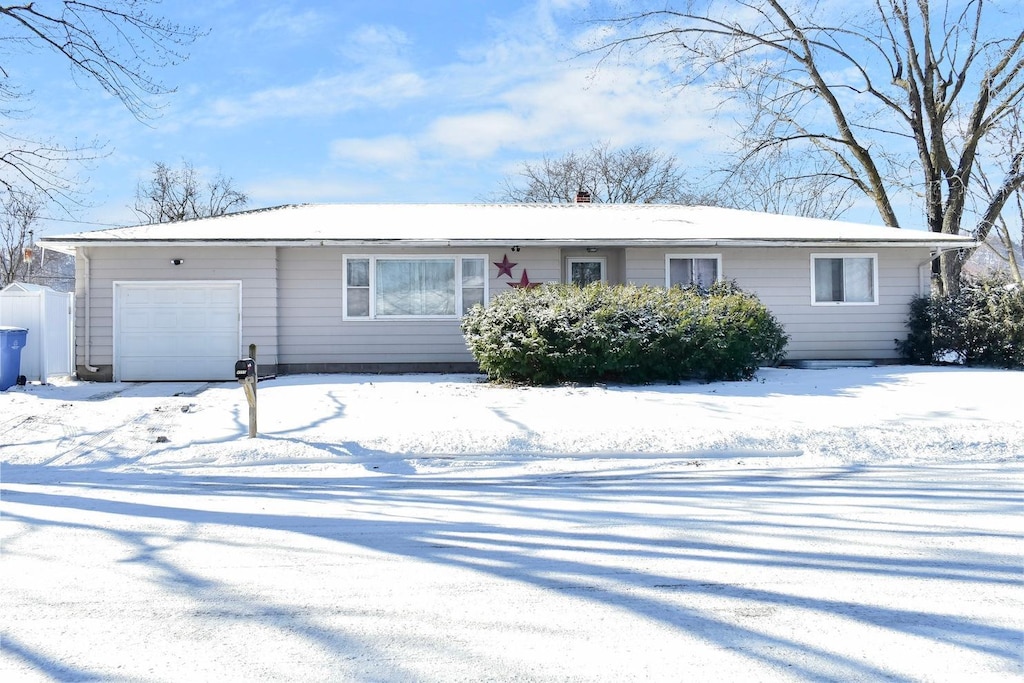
(402, 287)
(683, 270)
(844, 279)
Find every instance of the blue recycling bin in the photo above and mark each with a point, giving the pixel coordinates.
(12, 341)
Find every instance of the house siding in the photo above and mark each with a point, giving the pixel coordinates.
(292, 300)
(255, 268)
(314, 335)
(781, 278)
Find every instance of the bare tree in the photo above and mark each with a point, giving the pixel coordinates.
(1011, 252)
(181, 194)
(116, 44)
(783, 184)
(18, 216)
(897, 98)
(634, 175)
(1009, 138)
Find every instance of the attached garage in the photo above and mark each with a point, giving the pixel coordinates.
(176, 330)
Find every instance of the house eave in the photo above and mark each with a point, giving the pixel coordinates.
(501, 242)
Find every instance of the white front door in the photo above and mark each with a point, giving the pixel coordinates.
(176, 330)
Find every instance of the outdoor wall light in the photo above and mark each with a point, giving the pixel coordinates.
(591, 250)
(177, 261)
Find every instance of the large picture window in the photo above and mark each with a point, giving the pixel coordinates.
(844, 279)
(396, 287)
(683, 270)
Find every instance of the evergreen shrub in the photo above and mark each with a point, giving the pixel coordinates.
(624, 333)
(981, 325)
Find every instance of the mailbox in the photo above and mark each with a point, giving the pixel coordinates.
(245, 369)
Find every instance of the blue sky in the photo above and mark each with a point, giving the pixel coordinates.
(377, 101)
(357, 101)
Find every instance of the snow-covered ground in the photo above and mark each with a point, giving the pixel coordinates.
(848, 524)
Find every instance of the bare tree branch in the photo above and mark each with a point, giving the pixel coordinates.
(634, 175)
(173, 195)
(18, 215)
(115, 44)
(853, 86)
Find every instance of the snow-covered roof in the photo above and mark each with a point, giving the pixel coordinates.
(508, 224)
(26, 287)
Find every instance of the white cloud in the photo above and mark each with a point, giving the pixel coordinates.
(480, 134)
(319, 97)
(275, 191)
(576, 106)
(373, 74)
(391, 150)
(375, 44)
(521, 91)
(281, 20)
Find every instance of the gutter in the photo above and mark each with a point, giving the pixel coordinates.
(503, 242)
(938, 251)
(87, 277)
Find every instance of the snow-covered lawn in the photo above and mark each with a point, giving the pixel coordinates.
(852, 524)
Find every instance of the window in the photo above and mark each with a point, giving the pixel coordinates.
(357, 288)
(397, 287)
(683, 270)
(844, 279)
(583, 271)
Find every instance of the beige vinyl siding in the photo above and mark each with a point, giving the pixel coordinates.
(311, 326)
(254, 267)
(781, 278)
(292, 296)
(613, 257)
(542, 264)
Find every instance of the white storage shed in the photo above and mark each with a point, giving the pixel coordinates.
(48, 315)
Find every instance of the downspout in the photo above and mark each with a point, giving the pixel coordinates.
(87, 276)
(939, 251)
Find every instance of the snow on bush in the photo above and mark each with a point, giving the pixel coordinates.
(982, 325)
(563, 333)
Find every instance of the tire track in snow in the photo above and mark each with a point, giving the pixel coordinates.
(149, 422)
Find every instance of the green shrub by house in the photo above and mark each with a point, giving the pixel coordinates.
(982, 325)
(564, 333)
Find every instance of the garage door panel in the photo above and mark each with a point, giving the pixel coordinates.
(135, 320)
(222, 298)
(196, 320)
(135, 296)
(177, 331)
(162, 296)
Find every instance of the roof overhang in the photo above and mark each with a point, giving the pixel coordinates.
(492, 226)
(963, 243)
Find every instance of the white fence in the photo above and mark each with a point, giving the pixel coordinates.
(48, 315)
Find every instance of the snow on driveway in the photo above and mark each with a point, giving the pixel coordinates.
(850, 524)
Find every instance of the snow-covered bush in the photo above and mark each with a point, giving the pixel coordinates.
(982, 325)
(564, 333)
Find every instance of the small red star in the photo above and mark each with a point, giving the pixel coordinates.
(524, 282)
(505, 266)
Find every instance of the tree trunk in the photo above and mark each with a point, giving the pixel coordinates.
(950, 268)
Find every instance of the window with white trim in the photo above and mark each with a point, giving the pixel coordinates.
(683, 270)
(583, 270)
(844, 279)
(402, 287)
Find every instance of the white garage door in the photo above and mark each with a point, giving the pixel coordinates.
(176, 330)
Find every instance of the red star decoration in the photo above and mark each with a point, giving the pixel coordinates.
(524, 282)
(505, 266)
